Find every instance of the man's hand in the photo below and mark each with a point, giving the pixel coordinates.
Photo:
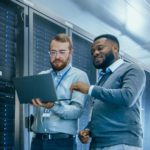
(37, 102)
(84, 136)
(81, 87)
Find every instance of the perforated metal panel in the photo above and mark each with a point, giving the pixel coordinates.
(43, 32)
(82, 60)
(8, 21)
(8, 25)
(82, 56)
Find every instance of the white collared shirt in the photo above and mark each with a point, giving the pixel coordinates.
(112, 68)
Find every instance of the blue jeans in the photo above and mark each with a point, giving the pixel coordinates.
(119, 147)
(54, 144)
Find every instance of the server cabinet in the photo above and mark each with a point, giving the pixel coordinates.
(9, 46)
(42, 30)
(82, 59)
(82, 55)
(146, 112)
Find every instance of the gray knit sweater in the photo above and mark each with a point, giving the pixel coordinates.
(116, 116)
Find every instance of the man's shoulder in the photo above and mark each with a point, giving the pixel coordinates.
(131, 68)
(45, 71)
(79, 74)
(134, 66)
(78, 71)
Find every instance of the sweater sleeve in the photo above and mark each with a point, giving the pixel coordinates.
(132, 85)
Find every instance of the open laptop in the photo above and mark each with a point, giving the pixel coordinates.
(36, 86)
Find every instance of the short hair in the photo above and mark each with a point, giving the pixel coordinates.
(62, 37)
(109, 37)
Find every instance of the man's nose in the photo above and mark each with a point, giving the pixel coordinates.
(57, 55)
(96, 52)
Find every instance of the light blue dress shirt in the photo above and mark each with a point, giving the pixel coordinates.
(63, 116)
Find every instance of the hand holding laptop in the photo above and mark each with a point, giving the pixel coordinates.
(38, 103)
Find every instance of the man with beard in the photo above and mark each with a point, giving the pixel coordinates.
(55, 124)
(116, 120)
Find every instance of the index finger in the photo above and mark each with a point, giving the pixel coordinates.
(73, 86)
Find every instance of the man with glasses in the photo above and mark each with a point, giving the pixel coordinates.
(55, 124)
(116, 117)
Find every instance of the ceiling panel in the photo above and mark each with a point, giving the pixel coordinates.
(129, 20)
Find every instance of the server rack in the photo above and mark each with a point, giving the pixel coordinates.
(9, 31)
(82, 55)
(82, 60)
(146, 112)
(42, 29)
(42, 33)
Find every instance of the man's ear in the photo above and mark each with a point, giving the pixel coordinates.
(115, 48)
(71, 51)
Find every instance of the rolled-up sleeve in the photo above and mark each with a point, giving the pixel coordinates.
(74, 108)
(71, 111)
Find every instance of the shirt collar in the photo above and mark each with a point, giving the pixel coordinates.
(112, 67)
(116, 64)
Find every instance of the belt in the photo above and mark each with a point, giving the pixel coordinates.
(47, 136)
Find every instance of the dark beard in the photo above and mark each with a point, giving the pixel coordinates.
(58, 69)
(109, 59)
(61, 67)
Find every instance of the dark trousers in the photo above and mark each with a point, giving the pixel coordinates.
(53, 144)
